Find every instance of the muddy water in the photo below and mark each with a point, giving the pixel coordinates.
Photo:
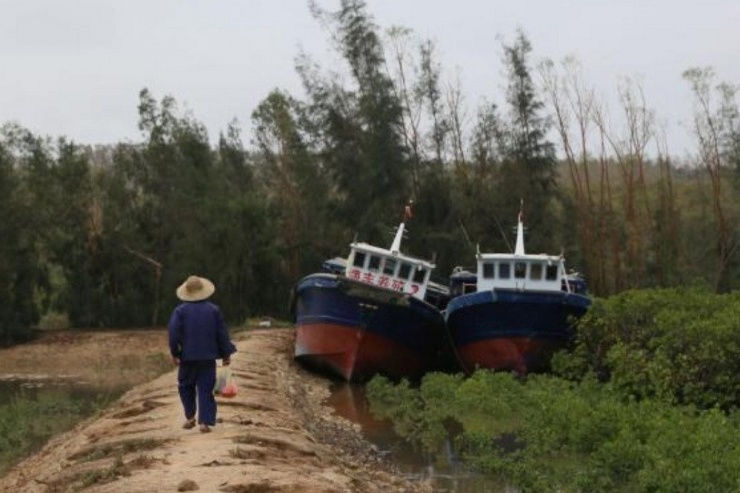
(445, 472)
(32, 388)
(10, 389)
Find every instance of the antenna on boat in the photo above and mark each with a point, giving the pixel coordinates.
(501, 230)
(466, 236)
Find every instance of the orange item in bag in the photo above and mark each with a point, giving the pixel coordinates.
(229, 390)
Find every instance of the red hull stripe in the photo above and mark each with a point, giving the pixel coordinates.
(352, 353)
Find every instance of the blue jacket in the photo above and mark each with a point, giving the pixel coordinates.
(197, 332)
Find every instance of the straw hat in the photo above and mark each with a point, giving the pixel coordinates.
(195, 289)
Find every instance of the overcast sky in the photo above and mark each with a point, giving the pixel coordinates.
(75, 68)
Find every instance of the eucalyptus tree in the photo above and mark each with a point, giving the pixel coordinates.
(17, 312)
(715, 127)
(296, 187)
(170, 182)
(529, 164)
(32, 162)
(74, 242)
(479, 181)
(242, 234)
(416, 74)
(418, 86)
(358, 128)
(431, 87)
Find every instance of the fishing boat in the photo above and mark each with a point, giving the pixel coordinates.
(515, 311)
(375, 312)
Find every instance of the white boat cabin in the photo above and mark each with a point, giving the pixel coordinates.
(389, 269)
(520, 272)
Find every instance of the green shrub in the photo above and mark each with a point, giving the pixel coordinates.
(681, 345)
(545, 434)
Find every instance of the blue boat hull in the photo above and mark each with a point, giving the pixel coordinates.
(354, 330)
(512, 330)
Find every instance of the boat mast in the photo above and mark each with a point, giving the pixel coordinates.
(396, 246)
(407, 214)
(519, 249)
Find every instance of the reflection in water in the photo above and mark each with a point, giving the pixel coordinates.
(444, 472)
(29, 388)
(34, 387)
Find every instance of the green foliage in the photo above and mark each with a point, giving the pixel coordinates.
(105, 234)
(649, 403)
(529, 164)
(680, 345)
(547, 434)
(27, 422)
(357, 129)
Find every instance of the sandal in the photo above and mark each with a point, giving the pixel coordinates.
(204, 428)
(189, 424)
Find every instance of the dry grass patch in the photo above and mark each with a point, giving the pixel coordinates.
(117, 469)
(248, 453)
(120, 448)
(275, 442)
(261, 487)
(138, 410)
(106, 358)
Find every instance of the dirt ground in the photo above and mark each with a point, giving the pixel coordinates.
(276, 435)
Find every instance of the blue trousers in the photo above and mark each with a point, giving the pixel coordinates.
(195, 381)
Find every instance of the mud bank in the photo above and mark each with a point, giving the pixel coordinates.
(276, 435)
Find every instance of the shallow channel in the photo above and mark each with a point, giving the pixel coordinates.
(33, 388)
(444, 471)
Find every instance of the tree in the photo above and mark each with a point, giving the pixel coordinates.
(528, 169)
(359, 131)
(297, 190)
(715, 129)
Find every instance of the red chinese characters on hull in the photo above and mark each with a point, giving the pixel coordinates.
(381, 281)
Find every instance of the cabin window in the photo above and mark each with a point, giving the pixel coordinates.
(488, 270)
(419, 275)
(535, 271)
(374, 263)
(389, 267)
(504, 270)
(520, 270)
(404, 271)
(551, 273)
(359, 260)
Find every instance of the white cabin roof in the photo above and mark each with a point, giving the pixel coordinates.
(389, 268)
(519, 270)
(365, 247)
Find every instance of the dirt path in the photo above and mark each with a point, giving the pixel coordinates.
(276, 435)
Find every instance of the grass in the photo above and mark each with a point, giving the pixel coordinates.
(26, 423)
(109, 361)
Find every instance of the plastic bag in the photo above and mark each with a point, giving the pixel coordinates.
(229, 389)
(222, 374)
(225, 383)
